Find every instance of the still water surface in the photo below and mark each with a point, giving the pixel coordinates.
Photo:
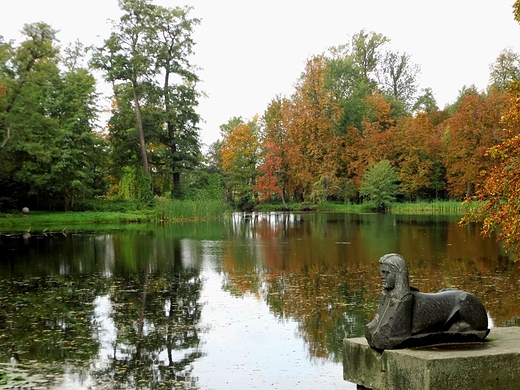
(259, 302)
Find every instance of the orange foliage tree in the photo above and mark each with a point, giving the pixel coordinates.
(273, 169)
(418, 156)
(497, 202)
(468, 134)
(240, 150)
(375, 142)
(310, 119)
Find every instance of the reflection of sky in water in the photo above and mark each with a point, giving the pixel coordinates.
(244, 345)
(106, 332)
(247, 347)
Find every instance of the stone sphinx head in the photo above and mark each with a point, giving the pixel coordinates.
(394, 275)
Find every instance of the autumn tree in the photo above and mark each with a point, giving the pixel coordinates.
(313, 147)
(274, 167)
(473, 129)
(240, 151)
(418, 147)
(496, 202)
(376, 140)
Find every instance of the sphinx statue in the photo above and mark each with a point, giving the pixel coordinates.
(408, 318)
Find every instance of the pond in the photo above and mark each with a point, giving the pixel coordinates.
(257, 301)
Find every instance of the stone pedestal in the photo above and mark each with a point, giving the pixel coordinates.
(491, 364)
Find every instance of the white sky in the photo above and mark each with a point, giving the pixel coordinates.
(254, 50)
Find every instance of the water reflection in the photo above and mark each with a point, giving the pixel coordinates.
(193, 305)
(122, 309)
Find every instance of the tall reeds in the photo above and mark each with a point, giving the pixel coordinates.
(452, 207)
(167, 210)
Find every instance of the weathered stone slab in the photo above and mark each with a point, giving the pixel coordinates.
(490, 364)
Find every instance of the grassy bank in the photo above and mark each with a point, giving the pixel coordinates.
(434, 207)
(164, 210)
(168, 210)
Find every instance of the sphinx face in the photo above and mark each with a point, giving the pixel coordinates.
(387, 277)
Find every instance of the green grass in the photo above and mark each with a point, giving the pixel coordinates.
(60, 221)
(423, 207)
(452, 207)
(164, 210)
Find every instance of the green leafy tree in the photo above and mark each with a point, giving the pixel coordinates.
(379, 186)
(368, 54)
(79, 170)
(147, 55)
(399, 78)
(505, 69)
(51, 158)
(365, 66)
(426, 102)
(173, 47)
(17, 66)
(344, 77)
(125, 58)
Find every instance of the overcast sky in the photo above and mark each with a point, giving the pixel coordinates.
(251, 51)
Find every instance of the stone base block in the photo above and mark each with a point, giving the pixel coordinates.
(491, 364)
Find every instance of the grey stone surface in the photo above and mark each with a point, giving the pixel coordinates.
(490, 364)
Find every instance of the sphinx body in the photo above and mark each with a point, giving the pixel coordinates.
(407, 317)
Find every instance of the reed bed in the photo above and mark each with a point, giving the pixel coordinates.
(167, 210)
(436, 207)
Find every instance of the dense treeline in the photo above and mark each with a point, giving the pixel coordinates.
(53, 154)
(357, 126)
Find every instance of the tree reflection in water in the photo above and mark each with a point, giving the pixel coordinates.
(322, 269)
(156, 340)
(123, 309)
(136, 329)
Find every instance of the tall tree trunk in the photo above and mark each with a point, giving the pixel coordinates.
(139, 120)
(176, 176)
(176, 182)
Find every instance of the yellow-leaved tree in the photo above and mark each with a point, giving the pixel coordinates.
(241, 153)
